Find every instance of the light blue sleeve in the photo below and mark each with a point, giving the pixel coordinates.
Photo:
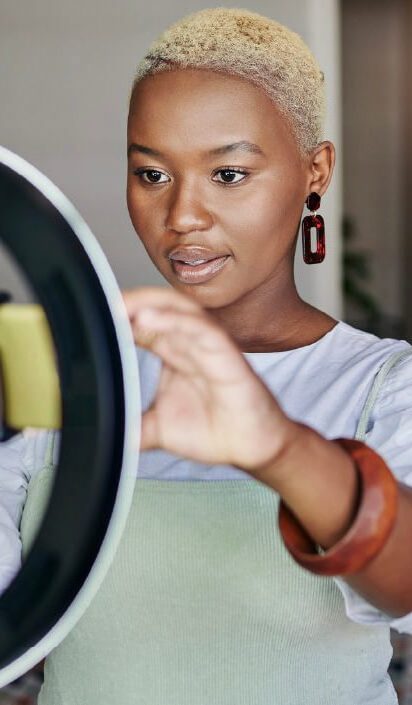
(21, 457)
(14, 479)
(389, 432)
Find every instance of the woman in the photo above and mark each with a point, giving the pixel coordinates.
(248, 392)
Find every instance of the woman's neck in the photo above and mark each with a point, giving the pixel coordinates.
(267, 326)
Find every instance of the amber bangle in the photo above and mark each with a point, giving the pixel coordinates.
(373, 523)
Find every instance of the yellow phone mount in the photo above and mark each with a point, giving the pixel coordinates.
(30, 381)
(68, 363)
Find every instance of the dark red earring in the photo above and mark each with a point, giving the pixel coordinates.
(313, 221)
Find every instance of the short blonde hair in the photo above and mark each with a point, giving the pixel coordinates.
(249, 45)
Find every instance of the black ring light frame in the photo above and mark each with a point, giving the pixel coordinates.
(97, 466)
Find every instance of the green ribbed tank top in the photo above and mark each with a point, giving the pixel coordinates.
(203, 605)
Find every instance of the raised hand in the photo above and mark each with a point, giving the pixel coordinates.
(210, 405)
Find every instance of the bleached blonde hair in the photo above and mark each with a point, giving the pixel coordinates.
(247, 44)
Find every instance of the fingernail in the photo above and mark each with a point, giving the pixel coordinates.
(145, 315)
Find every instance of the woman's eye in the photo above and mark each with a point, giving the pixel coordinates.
(154, 176)
(228, 173)
(153, 172)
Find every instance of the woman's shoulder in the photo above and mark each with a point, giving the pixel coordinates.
(370, 362)
(352, 344)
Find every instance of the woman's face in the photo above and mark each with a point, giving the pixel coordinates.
(182, 191)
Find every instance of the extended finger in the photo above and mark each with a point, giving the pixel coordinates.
(157, 297)
(187, 341)
(153, 322)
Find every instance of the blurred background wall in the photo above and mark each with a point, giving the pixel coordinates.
(65, 76)
(377, 162)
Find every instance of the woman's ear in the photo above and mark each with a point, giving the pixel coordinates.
(321, 164)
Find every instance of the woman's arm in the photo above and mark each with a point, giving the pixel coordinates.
(318, 481)
(211, 407)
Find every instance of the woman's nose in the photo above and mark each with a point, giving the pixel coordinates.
(187, 210)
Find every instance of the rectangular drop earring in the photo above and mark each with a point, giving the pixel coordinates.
(309, 222)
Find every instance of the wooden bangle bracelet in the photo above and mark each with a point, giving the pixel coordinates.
(371, 527)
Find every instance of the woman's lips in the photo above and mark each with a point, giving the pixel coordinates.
(194, 274)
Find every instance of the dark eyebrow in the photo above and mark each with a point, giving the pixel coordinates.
(133, 147)
(244, 145)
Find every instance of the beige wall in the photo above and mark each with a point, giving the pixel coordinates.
(373, 133)
(66, 69)
(407, 169)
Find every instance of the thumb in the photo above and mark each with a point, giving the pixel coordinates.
(148, 436)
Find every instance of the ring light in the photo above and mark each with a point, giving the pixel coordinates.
(101, 415)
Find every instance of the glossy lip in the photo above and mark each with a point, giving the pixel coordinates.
(191, 254)
(199, 273)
